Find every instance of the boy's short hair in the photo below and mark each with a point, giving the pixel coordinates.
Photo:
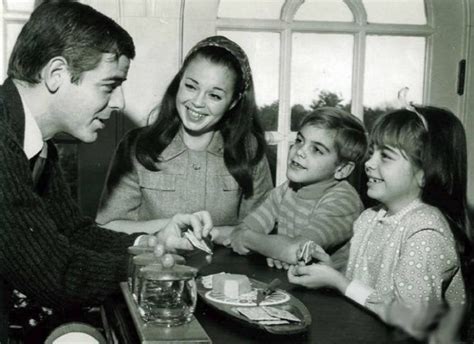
(72, 30)
(350, 140)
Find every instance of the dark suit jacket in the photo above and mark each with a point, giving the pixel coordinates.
(48, 250)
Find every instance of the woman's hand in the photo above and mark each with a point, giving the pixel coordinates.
(172, 235)
(317, 276)
(202, 228)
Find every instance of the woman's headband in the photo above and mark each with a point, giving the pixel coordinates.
(234, 49)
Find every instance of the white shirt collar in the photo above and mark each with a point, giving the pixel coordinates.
(33, 140)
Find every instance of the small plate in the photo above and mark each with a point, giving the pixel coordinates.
(292, 305)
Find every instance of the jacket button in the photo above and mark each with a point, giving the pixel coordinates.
(196, 167)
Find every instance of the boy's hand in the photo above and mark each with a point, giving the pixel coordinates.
(275, 263)
(237, 241)
(222, 235)
(290, 253)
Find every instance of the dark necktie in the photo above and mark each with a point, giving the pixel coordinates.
(38, 162)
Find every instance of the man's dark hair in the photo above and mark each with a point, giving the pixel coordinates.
(72, 30)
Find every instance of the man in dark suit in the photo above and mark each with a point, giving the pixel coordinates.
(65, 75)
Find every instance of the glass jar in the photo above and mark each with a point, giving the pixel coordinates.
(167, 295)
(132, 252)
(140, 261)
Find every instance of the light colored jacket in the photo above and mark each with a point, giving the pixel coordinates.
(187, 181)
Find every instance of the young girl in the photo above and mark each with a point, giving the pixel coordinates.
(205, 151)
(406, 255)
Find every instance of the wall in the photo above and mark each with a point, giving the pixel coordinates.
(469, 101)
(155, 26)
(156, 29)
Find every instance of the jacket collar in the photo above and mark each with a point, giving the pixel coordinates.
(15, 115)
(15, 112)
(177, 147)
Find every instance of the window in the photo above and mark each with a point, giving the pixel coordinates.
(328, 53)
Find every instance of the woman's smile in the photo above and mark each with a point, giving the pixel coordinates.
(194, 115)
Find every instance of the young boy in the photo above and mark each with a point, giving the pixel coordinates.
(316, 203)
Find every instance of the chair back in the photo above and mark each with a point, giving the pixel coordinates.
(75, 332)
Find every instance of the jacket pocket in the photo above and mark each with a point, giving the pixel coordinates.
(158, 181)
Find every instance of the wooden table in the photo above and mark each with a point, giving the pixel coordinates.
(335, 319)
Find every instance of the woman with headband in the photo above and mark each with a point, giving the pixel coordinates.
(205, 151)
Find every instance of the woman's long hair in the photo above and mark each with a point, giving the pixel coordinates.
(244, 139)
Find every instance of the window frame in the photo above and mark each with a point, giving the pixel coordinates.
(360, 28)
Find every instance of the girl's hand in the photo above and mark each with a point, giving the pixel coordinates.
(317, 276)
(318, 253)
(449, 324)
(420, 319)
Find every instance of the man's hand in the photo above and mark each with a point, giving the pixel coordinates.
(172, 234)
(168, 260)
(237, 241)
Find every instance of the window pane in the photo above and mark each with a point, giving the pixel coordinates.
(272, 160)
(324, 10)
(12, 30)
(261, 9)
(392, 63)
(395, 11)
(19, 5)
(263, 50)
(321, 73)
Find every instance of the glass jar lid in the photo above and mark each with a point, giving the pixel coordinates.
(146, 258)
(157, 272)
(136, 250)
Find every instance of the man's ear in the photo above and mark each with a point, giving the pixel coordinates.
(344, 170)
(54, 73)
